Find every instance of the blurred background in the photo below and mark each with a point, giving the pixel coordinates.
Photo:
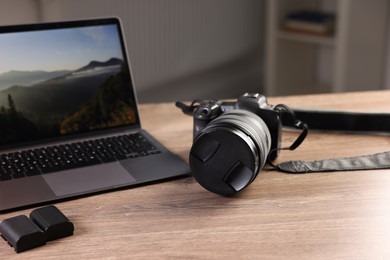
(187, 49)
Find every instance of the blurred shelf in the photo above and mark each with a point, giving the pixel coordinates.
(305, 38)
(351, 59)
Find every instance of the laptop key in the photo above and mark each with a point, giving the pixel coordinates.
(33, 172)
(5, 177)
(18, 175)
(79, 164)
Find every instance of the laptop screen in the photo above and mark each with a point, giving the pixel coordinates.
(61, 79)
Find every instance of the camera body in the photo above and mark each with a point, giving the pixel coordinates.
(233, 141)
(209, 110)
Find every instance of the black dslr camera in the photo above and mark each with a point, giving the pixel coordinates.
(233, 140)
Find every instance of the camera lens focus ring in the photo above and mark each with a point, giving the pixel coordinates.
(252, 125)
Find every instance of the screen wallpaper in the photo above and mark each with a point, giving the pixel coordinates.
(64, 81)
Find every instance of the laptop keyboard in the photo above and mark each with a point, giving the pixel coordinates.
(73, 155)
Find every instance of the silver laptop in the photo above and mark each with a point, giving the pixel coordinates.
(69, 123)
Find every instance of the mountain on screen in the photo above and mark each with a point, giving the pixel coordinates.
(92, 97)
(97, 64)
(27, 78)
(31, 78)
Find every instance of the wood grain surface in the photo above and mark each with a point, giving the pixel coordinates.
(343, 215)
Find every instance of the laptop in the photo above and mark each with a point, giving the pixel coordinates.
(69, 121)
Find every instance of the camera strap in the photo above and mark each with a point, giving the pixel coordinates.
(367, 162)
(341, 121)
(345, 121)
(188, 110)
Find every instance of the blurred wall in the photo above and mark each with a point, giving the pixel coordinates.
(17, 12)
(182, 49)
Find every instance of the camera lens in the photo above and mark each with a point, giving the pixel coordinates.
(228, 154)
(251, 125)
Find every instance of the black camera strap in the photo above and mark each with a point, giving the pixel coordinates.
(289, 119)
(341, 121)
(188, 110)
(345, 121)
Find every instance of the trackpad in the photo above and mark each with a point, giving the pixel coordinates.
(87, 179)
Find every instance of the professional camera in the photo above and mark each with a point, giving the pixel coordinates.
(233, 140)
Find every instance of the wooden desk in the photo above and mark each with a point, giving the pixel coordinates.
(315, 216)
